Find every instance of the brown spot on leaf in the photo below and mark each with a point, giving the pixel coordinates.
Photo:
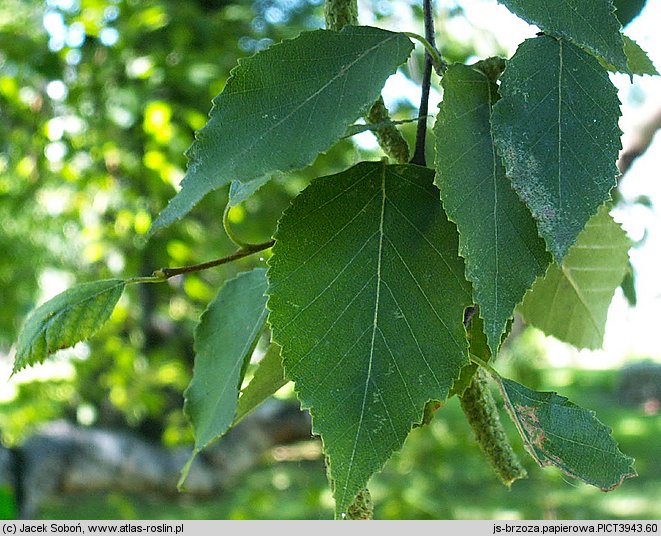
(530, 422)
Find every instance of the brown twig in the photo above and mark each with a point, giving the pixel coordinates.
(421, 135)
(167, 273)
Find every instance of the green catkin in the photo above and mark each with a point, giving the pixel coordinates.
(482, 414)
(389, 137)
(362, 507)
(338, 14)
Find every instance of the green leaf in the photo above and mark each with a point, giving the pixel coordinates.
(590, 24)
(285, 105)
(367, 296)
(637, 59)
(70, 317)
(224, 341)
(556, 127)
(269, 377)
(497, 235)
(479, 348)
(559, 433)
(627, 10)
(571, 302)
(240, 191)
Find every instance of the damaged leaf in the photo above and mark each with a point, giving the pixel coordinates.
(559, 433)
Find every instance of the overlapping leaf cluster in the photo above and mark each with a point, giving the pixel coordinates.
(373, 268)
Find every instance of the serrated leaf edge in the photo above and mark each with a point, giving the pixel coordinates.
(415, 423)
(558, 463)
(21, 360)
(191, 152)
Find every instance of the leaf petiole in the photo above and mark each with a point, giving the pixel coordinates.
(230, 232)
(437, 60)
(147, 279)
(163, 274)
(166, 273)
(488, 368)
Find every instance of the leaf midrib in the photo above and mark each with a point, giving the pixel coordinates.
(566, 272)
(250, 340)
(560, 101)
(249, 147)
(53, 317)
(494, 171)
(375, 327)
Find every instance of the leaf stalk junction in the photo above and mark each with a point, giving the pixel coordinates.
(163, 274)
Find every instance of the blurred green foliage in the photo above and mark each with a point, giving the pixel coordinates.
(439, 474)
(99, 100)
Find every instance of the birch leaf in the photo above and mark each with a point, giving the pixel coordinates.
(70, 317)
(367, 295)
(556, 127)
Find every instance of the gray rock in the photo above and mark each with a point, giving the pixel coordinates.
(639, 382)
(66, 458)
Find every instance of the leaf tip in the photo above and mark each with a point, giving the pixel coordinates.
(623, 477)
(193, 188)
(162, 220)
(185, 471)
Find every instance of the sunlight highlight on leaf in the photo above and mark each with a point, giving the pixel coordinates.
(68, 318)
(571, 302)
(285, 105)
